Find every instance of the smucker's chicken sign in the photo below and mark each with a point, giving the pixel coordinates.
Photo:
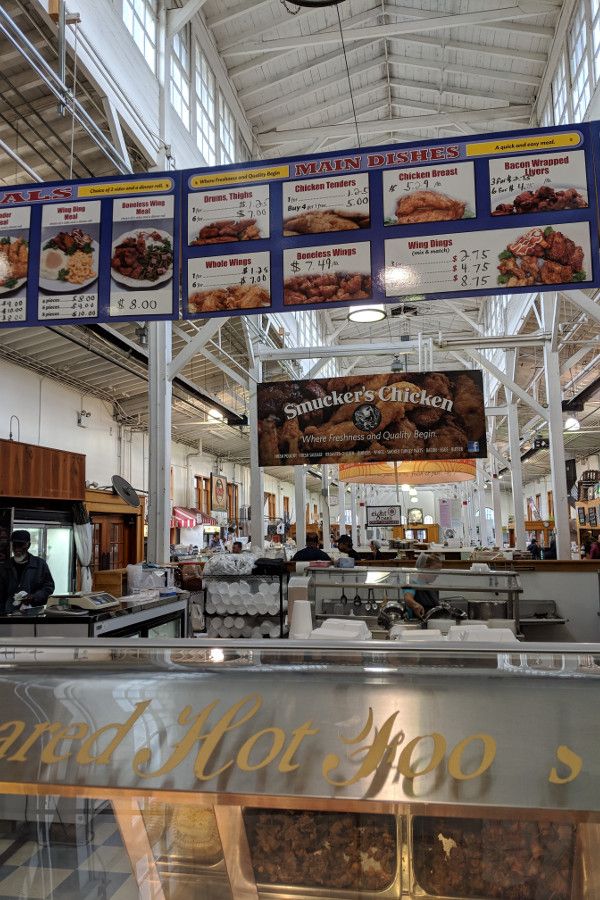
(416, 416)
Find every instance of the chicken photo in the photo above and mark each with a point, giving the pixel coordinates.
(428, 206)
(325, 220)
(541, 256)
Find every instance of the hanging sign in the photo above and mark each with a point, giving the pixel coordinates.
(384, 515)
(415, 416)
(499, 213)
(83, 252)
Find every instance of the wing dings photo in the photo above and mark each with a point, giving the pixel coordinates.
(414, 416)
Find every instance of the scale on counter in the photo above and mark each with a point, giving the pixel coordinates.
(98, 600)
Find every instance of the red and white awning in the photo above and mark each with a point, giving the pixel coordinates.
(190, 518)
(183, 518)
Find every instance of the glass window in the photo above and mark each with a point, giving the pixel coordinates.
(546, 116)
(140, 18)
(595, 15)
(226, 132)
(560, 99)
(578, 62)
(206, 137)
(180, 76)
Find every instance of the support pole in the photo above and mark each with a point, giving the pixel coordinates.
(257, 482)
(326, 508)
(342, 507)
(556, 436)
(300, 505)
(354, 513)
(516, 470)
(483, 538)
(497, 506)
(160, 393)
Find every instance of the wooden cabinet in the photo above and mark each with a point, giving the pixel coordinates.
(421, 533)
(40, 473)
(118, 530)
(541, 531)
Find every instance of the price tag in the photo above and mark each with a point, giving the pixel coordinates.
(142, 256)
(426, 194)
(14, 263)
(228, 215)
(320, 205)
(549, 182)
(478, 260)
(217, 283)
(314, 275)
(69, 261)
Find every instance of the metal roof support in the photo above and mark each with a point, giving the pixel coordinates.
(508, 381)
(300, 505)
(20, 162)
(558, 473)
(196, 344)
(257, 485)
(160, 397)
(584, 302)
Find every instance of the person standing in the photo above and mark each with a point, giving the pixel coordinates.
(535, 549)
(26, 575)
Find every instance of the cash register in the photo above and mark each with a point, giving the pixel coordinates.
(97, 601)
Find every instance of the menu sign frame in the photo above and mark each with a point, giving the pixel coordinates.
(90, 251)
(511, 212)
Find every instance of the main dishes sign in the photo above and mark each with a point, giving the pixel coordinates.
(403, 417)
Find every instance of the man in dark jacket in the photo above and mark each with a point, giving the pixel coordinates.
(26, 575)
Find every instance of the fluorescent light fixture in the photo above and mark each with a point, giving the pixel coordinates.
(405, 487)
(215, 414)
(572, 424)
(414, 499)
(367, 314)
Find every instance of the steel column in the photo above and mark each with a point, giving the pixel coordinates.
(354, 512)
(481, 505)
(326, 508)
(160, 395)
(556, 436)
(300, 504)
(516, 469)
(497, 506)
(257, 492)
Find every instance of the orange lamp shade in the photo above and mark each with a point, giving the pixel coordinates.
(430, 472)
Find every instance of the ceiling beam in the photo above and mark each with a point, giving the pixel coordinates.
(499, 96)
(459, 68)
(332, 103)
(464, 46)
(535, 30)
(508, 382)
(307, 90)
(294, 135)
(350, 35)
(178, 18)
(582, 300)
(195, 345)
(222, 18)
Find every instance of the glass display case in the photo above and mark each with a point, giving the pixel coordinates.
(361, 591)
(277, 770)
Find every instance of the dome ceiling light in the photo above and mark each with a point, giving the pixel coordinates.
(315, 4)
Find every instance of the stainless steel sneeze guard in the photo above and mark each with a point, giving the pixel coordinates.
(477, 727)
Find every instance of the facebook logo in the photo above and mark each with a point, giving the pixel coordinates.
(473, 446)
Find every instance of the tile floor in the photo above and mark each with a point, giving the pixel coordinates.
(98, 869)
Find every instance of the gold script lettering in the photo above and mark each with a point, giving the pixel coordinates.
(243, 757)
(41, 728)
(85, 757)
(439, 751)
(74, 732)
(182, 748)
(286, 763)
(489, 754)
(383, 745)
(569, 758)
(226, 723)
(18, 728)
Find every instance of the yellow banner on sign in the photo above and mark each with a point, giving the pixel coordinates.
(115, 189)
(524, 144)
(221, 178)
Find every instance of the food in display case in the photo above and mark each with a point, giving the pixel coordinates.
(511, 860)
(352, 851)
(182, 834)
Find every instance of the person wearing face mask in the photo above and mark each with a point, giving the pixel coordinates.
(26, 581)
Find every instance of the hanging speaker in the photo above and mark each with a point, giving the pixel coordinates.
(125, 491)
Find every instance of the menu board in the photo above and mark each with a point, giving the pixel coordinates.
(472, 217)
(91, 251)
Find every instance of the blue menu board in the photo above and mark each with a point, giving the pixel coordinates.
(503, 213)
(101, 250)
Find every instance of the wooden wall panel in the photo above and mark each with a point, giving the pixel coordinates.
(27, 470)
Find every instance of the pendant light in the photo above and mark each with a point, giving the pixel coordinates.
(315, 4)
(365, 314)
(572, 424)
